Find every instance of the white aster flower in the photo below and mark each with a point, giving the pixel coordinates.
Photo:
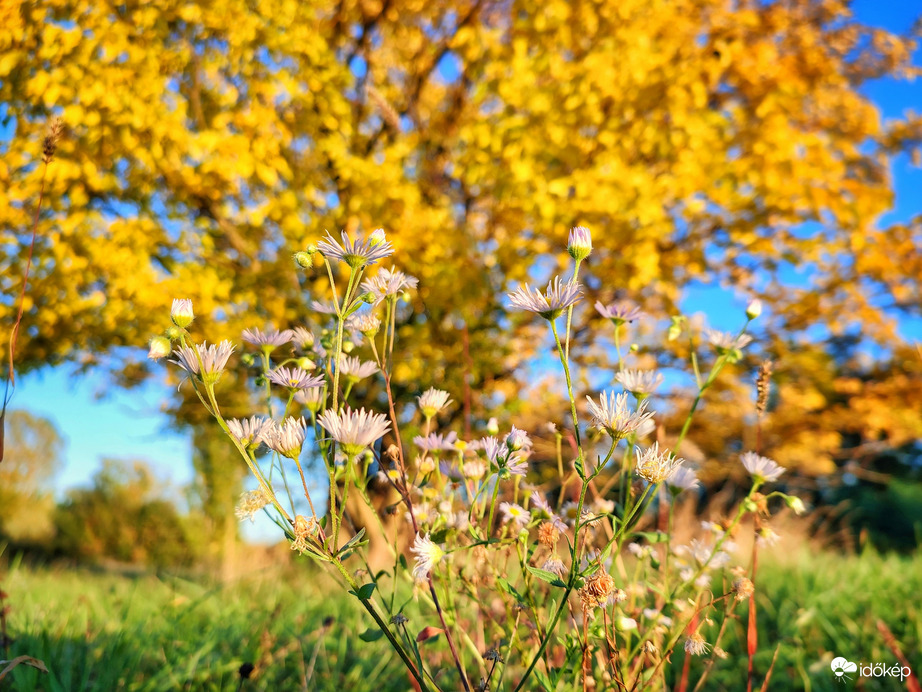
(683, 478)
(213, 360)
(762, 469)
(357, 253)
(428, 555)
(366, 324)
(354, 369)
(268, 340)
(432, 401)
(312, 399)
(724, 342)
(160, 347)
(181, 312)
(514, 513)
(354, 430)
(295, 379)
(640, 383)
(250, 432)
(557, 298)
(615, 416)
(620, 311)
(388, 282)
(655, 465)
(579, 243)
(287, 437)
(436, 442)
(473, 470)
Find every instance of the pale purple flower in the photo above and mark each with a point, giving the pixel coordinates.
(683, 478)
(388, 282)
(354, 430)
(312, 399)
(615, 416)
(160, 347)
(269, 340)
(366, 324)
(250, 432)
(517, 439)
(516, 465)
(287, 437)
(181, 312)
(302, 338)
(550, 304)
(640, 383)
(295, 378)
(356, 253)
(726, 341)
(620, 311)
(579, 243)
(354, 369)
(762, 469)
(325, 307)
(435, 442)
(213, 360)
(432, 401)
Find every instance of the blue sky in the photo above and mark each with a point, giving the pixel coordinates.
(129, 424)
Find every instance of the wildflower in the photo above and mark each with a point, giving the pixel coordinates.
(683, 478)
(432, 401)
(428, 554)
(703, 553)
(327, 307)
(305, 258)
(250, 503)
(295, 379)
(304, 529)
(473, 470)
(250, 432)
(287, 437)
(695, 645)
(354, 430)
(302, 338)
(548, 535)
(517, 439)
(725, 342)
(357, 253)
(796, 504)
(515, 513)
(493, 426)
(354, 369)
(366, 324)
(640, 383)
(515, 465)
(160, 347)
(602, 506)
(426, 465)
(640, 551)
(720, 653)
(557, 298)
(435, 442)
(766, 537)
(312, 398)
(615, 416)
(269, 340)
(181, 313)
(579, 243)
(762, 469)
(656, 466)
(619, 312)
(626, 624)
(554, 564)
(213, 360)
(754, 309)
(388, 282)
(743, 588)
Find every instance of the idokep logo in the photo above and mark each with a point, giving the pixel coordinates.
(844, 670)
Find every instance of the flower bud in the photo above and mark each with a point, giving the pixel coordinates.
(305, 363)
(248, 359)
(348, 347)
(173, 333)
(160, 347)
(675, 329)
(367, 298)
(796, 504)
(493, 426)
(376, 238)
(181, 313)
(579, 244)
(754, 309)
(303, 259)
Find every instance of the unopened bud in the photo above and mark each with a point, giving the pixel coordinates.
(248, 359)
(754, 309)
(579, 244)
(367, 298)
(305, 260)
(181, 313)
(305, 363)
(376, 238)
(493, 426)
(796, 504)
(160, 347)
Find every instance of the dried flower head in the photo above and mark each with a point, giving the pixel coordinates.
(51, 139)
(548, 535)
(354, 430)
(357, 253)
(557, 298)
(598, 591)
(432, 401)
(762, 469)
(655, 465)
(620, 311)
(615, 416)
(743, 588)
(399, 619)
(695, 645)
(250, 503)
(763, 386)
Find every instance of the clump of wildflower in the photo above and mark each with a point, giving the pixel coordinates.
(695, 645)
(181, 313)
(287, 437)
(640, 383)
(655, 465)
(620, 311)
(250, 432)
(579, 243)
(205, 363)
(762, 469)
(388, 282)
(250, 503)
(295, 379)
(432, 401)
(160, 347)
(743, 588)
(428, 555)
(269, 340)
(354, 430)
(550, 304)
(614, 415)
(356, 253)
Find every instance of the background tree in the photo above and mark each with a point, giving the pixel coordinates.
(701, 140)
(33, 454)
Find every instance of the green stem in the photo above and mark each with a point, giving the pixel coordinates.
(570, 311)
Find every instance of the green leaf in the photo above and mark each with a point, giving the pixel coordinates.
(371, 635)
(544, 575)
(353, 543)
(651, 536)
(366, 591)
(543, 680)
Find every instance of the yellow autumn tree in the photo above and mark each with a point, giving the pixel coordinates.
(701, 140)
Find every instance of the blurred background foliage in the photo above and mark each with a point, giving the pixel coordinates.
(703, 141)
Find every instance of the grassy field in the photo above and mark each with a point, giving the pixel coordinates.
(101, 631)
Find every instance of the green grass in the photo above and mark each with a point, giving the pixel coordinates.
(99, 631)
